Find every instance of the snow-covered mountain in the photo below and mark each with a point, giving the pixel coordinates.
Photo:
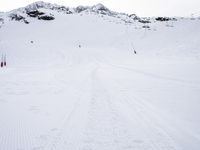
(88, 78)
(22, 13)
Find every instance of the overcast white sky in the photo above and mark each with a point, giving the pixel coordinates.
(139, 7)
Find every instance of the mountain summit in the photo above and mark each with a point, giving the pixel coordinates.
(99, 8)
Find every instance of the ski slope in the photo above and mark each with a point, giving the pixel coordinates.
(57, 96)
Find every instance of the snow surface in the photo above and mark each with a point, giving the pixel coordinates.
(57, 96)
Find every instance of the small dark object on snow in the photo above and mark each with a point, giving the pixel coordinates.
(5, 63)
(146, 26)
(79, 46)
(1, 64)
(135, 52)
(31, 41)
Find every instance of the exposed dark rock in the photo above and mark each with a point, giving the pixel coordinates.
(35, 13)
(134, 17)
(79, 9)
(45, 17)
(144, 21)
(63, 9)
(162, 19)
(17, 17)
(40, 15)
(165, 19)
(25, 21)
(101, 9)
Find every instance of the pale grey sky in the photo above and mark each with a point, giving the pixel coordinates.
(140, 7)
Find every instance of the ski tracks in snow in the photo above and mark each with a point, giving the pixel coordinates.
(69, 134)
(120, 120)
(106, 128)
(110, 127)
(105, 118)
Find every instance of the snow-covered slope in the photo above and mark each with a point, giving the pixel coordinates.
(74, 82)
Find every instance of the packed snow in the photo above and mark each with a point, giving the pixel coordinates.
(87, 81)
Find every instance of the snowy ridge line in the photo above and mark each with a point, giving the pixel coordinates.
(22, 14)
(99, 9)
